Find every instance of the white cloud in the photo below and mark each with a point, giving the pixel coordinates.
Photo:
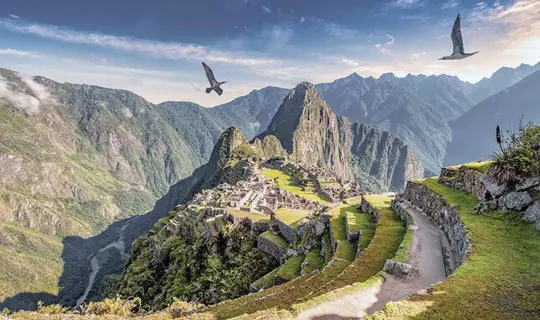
(166, 50)
(383, 47)
(450, 4)
(416, 56)
(266, 9)
(406, 3)
(14, 16)
(302, 19)
(127, 112)
(31, 104)
(349, 62)
(18, 53)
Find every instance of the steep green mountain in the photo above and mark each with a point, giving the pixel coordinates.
(75, 158)
(473, 136)
(311, 133)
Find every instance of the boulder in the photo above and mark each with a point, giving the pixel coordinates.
(515, 201)
(319, 228)
(400, 269)
(528, 183)
(495, 189)
(532, 213)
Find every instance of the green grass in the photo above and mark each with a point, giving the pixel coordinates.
(284, 181)
(246, 214)
(499, 280)
(384, 245)
(344, 250)
(291, 216)
(314, 261)
(279, 241)
(403, 253)
(480, 166)
(267, 281)
(291, 268)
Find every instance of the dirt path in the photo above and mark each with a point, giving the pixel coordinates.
(426, 254)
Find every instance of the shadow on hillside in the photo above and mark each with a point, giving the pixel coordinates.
(77, 251)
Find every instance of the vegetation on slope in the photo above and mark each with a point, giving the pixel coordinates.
(499, 280)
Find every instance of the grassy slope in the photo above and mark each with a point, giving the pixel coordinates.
(291, 268)
(284, 181)
(247, 214)
(480, 166)
(383, 246)
(344, 250)
(291, 216)
(500, 280)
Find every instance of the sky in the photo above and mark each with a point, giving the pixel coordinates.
(155, 48)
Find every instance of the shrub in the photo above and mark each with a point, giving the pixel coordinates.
(519, 153)
(180, 308)
(115, 306)
(50, 309)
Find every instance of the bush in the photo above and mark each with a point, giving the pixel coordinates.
(519, 153)
(180, 308)
(51, 309)
(116, 306)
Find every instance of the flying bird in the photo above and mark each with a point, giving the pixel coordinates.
(214, 85)
(457, 41)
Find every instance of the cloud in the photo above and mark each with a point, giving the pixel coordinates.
(416, 56)
(450, 4)
(266, 9)
(13, 16)
(342, 32)
(127, 112)
(383, 47)
(18, 53)
(406, 3)
(349, 62)
(160, 49)
(302, 19)
(30, 103)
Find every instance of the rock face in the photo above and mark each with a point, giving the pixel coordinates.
(444, 215)
(311, 133)
(466, 179)
(269, 147)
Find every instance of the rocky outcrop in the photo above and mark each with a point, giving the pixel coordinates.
(465, 179)
(311, 133)
(445, 216)
(269, 147)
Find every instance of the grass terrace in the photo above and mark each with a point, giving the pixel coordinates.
(291, 216)
(269, 235)
(314, 261)
(285, 181)
(246, 214)
(480, 166)
(499, 280)
(384, 245)
(291, 268)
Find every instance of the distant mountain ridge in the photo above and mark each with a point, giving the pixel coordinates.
(473, 135)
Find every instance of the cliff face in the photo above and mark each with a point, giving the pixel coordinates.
(311, 133)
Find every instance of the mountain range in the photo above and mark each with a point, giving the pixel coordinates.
(74, 158)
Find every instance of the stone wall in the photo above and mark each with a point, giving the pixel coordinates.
(444, 215)
(352, 236)
(465, 179)
(368, 208)
(399, 209)
(270, 248)
(289, 233)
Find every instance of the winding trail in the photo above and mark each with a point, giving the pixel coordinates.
(118, 244)
(426, 254)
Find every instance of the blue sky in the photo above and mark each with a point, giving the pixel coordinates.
(154, 48)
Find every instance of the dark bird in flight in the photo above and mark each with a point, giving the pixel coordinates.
(214, 85)
(457, 41)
